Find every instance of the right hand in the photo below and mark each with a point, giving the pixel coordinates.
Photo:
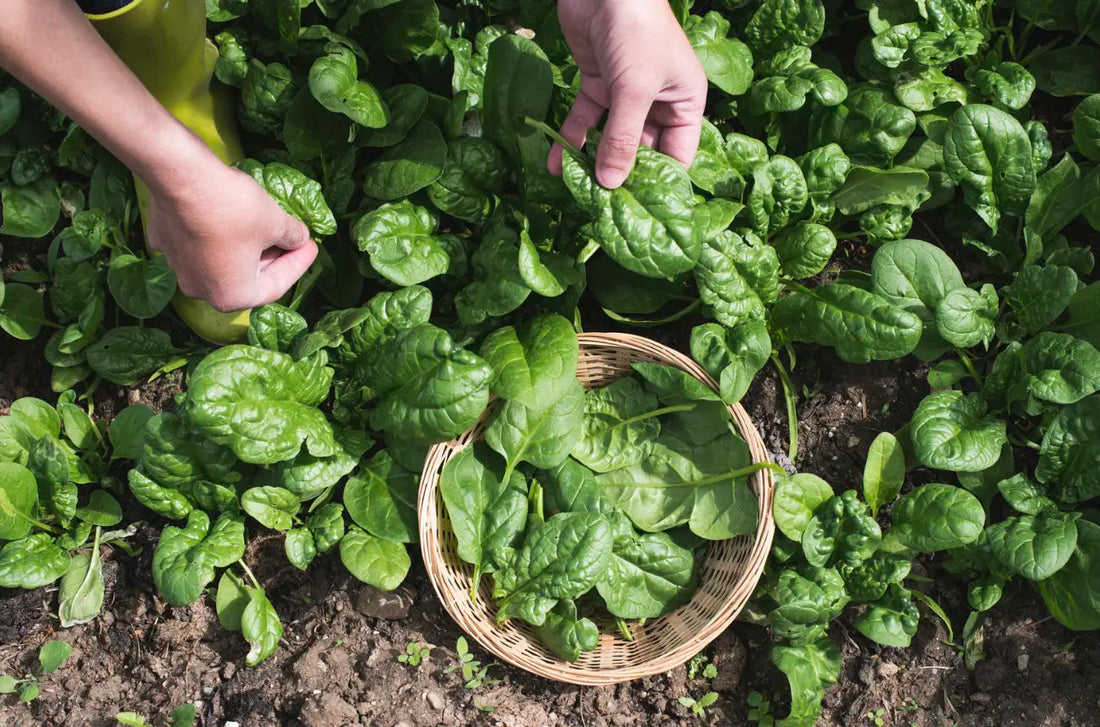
(228, 241)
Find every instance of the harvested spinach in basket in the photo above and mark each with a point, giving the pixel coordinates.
(596, 506)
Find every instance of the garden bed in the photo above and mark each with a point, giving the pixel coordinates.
(885, 251)
(339, 660)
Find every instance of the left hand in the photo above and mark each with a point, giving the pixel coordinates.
(636, 64)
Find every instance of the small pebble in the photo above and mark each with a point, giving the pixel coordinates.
(339, 606)
(402, 723)
(1021, 662)
(232, 724)
(376, 603)
(887, 668)
(980, 697)
(435, 699)
(229, 670)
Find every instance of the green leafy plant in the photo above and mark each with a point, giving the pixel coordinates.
(700, 666)
(474, 674)
(699, 706)
(415, 654)
(51, 656)
(759, 710)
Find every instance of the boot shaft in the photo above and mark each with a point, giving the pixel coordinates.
(164, 43)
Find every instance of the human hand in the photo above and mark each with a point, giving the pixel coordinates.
(637, 64)
(228, 241)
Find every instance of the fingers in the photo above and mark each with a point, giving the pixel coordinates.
(651, 135)
(294, 234)
(681, 142)
(281, 273)
(622, 134)
(584, 115)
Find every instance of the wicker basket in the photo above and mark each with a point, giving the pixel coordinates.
(729, 574)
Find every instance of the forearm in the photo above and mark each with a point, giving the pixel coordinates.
(52, 48)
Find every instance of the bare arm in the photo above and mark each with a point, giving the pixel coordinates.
(228, 242)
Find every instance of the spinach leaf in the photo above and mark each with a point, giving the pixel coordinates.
(542, 437)
(1038, 295)
(372, 560)
(32, 562)
(891, 620)
(732, 355)
(260, 626)
(811, 668)
(487, 512)
(273, 507)
(1069, 460)
(81, 592)
(727, 61)
(988, 154)
(535, 364)
(261, 404)
(677, 483)
(861, 325)
(737, 279)
(648, 225)
(18, 498)
(916, 276)
(619, 425)
(381, 499)
(334, 82)
(952, 431)
(796, 499)
(185, 559)
(560, 559)
(883, 473)
(401, 241)
(415, 163)
(647, 576)
(566, 634)
(430, 389)
(1073, 593)
(1034, 546)
(937, 517)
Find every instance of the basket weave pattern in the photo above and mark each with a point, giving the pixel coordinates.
(729, 574)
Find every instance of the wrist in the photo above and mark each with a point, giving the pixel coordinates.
(176, 161)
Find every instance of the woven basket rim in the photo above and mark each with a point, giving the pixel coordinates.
(490, 637)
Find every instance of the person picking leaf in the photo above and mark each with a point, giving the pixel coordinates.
(137, 76)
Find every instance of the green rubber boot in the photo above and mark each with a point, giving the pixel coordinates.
(164, 43)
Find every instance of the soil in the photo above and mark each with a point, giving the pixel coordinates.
(338, 663)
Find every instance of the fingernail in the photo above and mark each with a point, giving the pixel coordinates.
(611, 178)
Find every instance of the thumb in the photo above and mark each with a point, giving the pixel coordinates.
(280, 273)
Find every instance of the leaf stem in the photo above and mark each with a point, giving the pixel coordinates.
(656, 413)
(792, 408)
(969, 366)
(306, 284)
(248, 572)
(703, 481)
(556, 137)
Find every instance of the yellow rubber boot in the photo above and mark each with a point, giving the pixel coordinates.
(164, 43)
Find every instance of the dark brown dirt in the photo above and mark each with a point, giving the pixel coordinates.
(337, 666)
